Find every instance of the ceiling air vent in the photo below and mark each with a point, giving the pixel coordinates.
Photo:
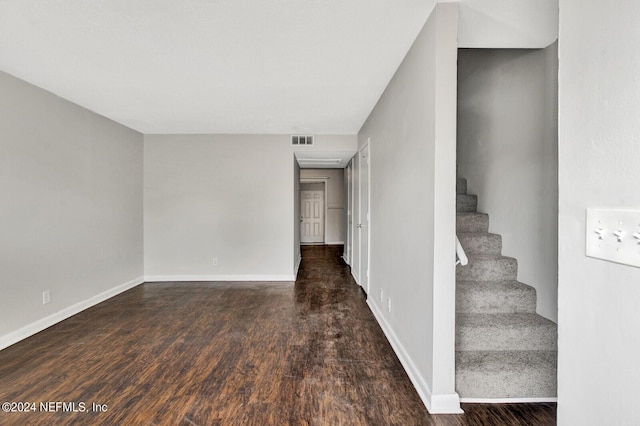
(302, 140)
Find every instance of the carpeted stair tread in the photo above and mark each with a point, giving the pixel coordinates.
(480, 242)
(488, 268)
(491, 297)
(500, 332)
(506, 374)
(472, 222)
(466, 203)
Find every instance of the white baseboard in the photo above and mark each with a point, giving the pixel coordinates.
(335, 243)
(355, 276)
(507, 400)
(171, 278)
(46, 322)
(436, 404)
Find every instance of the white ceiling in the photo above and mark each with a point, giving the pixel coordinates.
(202, 66)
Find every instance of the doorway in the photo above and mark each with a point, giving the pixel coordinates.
(360, 209)
(312, 217)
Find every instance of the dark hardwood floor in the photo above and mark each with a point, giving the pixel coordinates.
(228, 354)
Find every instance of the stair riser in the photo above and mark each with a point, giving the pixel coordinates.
(466, 203)
(478, 222)
(500, 338)
(481, 243)
(495, 269)
(511, 374)
(522, 383)
(481, 301)
(461, 186)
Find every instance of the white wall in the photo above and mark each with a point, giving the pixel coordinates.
(412, 141)
(334, 221)
(224, 196)
(508, 23)
(71, 215)
(599, 144)
(507, 151)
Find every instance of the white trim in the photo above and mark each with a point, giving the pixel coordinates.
(334, 243)
(355, 276)
(507, 400)
(46, 322)
(436, 404)
(367, 146)
(344, 257)
(160, 278)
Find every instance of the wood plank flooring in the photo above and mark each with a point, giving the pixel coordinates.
(229, 354)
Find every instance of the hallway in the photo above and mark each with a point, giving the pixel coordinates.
(229, 354)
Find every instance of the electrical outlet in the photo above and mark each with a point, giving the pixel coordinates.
(46, 297)
(389, 304)
(215, 261)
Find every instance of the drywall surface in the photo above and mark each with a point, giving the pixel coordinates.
(411, 134)
(508, 23)
(71, 215)
(335, 219)
(507, 151)
(599, 147)
(229, 197)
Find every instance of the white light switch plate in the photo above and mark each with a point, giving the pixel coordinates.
(614, 235)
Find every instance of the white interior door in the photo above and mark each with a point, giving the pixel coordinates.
(312, 216)
(363, 219)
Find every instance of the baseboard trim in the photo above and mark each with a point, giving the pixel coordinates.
(507, 400)
(46, 322)
(355, 276)
(436, 404)
(335, 243)
(171, 278)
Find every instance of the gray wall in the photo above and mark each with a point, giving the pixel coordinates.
(71, 216)
(599, 324)
(225, 196)
(412, 227)
(335, 208)
(507, 150)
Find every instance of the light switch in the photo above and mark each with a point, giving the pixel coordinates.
(614, 235)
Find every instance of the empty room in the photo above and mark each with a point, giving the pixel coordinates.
(327, 213)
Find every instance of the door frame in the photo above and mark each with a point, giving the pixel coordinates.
(364, 274)
(322, 180)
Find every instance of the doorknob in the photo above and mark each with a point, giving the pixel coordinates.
(358, 225)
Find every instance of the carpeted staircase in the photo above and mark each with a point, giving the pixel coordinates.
(504, 350)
